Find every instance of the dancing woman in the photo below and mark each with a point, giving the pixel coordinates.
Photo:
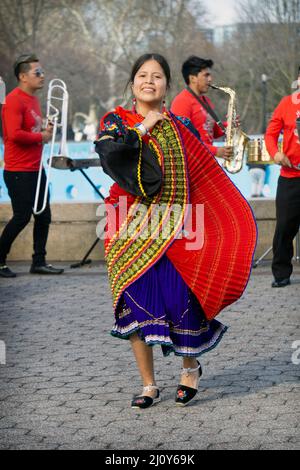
(168, 285)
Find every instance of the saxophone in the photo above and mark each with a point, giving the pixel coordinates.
(235, 137)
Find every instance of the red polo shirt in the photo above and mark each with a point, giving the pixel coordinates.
(22, 138)
(185, 104)
(284, 119)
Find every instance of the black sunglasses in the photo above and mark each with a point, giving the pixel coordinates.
(39, 72)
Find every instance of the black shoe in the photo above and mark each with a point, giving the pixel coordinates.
(6, 272)
(184, 394)
(45, 269)
(143, 401)
(282, 283)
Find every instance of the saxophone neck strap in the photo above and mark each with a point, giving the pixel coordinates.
(208, 108)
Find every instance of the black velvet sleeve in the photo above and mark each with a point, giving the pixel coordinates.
(119, 149)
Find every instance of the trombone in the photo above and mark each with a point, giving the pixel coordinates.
(57, 114)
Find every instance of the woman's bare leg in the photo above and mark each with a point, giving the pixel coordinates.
(144, 359)
(190, 380)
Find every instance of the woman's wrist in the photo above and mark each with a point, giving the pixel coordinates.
(141, 128)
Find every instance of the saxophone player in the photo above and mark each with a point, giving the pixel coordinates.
(193, 104)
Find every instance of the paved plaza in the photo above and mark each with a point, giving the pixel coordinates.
(67, 384)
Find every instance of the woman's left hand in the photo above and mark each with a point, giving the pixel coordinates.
(152, 118)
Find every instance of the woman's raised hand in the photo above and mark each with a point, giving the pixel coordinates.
(152, 118)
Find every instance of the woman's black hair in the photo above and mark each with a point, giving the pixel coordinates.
(143, 59)
(193, 65)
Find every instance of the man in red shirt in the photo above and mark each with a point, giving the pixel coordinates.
(197, 75)
(23, 139)
(288, 191)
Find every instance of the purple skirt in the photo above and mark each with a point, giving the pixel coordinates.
(161, 308)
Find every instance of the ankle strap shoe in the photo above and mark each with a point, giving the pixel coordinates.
(185, 394)
(144, 401)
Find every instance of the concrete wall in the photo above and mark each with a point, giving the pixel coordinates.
(73, 231)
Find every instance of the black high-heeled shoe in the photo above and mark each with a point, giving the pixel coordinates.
(184, 394)
(143, 401)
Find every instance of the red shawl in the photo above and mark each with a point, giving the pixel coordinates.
(219, 271)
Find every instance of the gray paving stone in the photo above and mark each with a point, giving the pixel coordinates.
(281, 446)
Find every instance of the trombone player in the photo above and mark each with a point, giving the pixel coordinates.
(23, 139)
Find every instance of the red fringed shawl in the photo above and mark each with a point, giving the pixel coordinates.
(219, 270)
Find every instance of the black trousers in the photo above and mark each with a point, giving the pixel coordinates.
(288, 222)
(21, 187)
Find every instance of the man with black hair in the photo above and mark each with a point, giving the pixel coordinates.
(193, 104)
(285, 118)
(23, 139)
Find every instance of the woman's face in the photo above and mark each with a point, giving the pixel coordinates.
(150, 83)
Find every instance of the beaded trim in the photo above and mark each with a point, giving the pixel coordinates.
(139, 168)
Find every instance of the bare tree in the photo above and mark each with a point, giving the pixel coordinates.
(265, 43)
(19, 23)
(92, 44)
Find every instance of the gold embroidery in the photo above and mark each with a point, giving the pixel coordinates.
(142, 308)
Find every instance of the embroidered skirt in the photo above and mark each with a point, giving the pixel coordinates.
(161, 308)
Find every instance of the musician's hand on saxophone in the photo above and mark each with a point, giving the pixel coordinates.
(281, 159)
(225, 153)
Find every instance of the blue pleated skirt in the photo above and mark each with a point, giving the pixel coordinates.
(161, 309)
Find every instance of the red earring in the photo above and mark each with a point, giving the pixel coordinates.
(164, 109)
